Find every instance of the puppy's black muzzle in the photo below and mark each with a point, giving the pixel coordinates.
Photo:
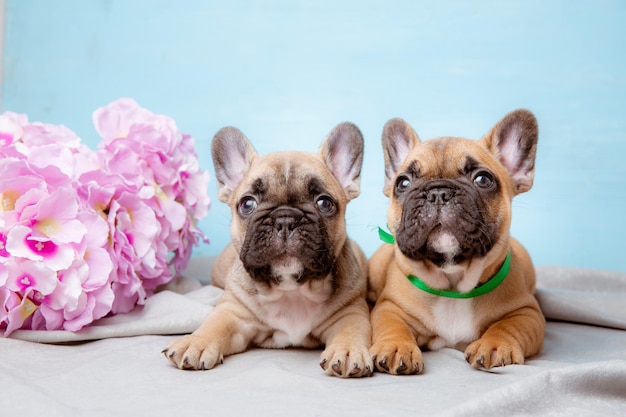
(444, 205)
(287, 231)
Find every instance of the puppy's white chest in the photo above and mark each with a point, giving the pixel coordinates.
(292, 315)
(453, 323)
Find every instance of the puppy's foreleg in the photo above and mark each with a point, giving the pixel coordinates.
(224, 332)
(347, 341)
(394, 349)
(510, 340)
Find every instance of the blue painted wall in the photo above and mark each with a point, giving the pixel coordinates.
(285, 72)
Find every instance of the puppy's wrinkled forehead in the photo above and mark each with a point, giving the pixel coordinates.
(455, 156)
(290, 178)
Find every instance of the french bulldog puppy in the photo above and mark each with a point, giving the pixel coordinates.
(291, 276)
(454, 277)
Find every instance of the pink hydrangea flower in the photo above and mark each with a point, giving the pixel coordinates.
(84, 233)
(11, 128)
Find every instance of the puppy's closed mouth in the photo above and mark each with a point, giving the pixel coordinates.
(444, 243)
(287, 268)
(439, 246)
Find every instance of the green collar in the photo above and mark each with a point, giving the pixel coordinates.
(488, 286)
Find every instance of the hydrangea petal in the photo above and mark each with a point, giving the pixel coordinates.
(10, 130)
(30, 274)
(16, 316)
(100, 267)
(22, 244)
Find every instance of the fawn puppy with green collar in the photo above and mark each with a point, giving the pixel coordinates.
(451, 274)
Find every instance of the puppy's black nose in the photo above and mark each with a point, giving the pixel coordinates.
(440, 195)
(285, 224)
(286, 220)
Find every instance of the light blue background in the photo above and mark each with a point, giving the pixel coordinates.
(285, 72)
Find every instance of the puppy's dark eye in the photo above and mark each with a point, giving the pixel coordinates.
(402, 184)
(247, 205)
(325, 205)
(484, 180)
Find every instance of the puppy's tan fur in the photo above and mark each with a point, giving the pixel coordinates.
(502, 327)
(275, 294)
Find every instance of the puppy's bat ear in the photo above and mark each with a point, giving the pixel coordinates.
(514, 142)
(398, 140)
(342, 152)
(232, 156)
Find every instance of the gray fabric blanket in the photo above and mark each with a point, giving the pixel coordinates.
(115, 366)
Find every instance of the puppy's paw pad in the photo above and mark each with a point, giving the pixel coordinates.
(397, 359)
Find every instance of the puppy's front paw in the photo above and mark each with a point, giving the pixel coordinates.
(346, 361)
(194, 352)
(487, 353)
(397, 358)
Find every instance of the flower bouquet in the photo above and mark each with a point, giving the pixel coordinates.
(86, 233)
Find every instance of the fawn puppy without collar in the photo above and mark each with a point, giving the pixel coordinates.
(291, 276)
(454, 277)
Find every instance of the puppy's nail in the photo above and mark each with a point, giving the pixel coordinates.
(383, 364)
(185, 363)
(356, 370)
(418, 368)
(164, 351)
(481, 361)
(401, 367)
(337, 367)
(323, 363)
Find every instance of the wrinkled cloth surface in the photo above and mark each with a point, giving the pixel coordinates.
(115, 367)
